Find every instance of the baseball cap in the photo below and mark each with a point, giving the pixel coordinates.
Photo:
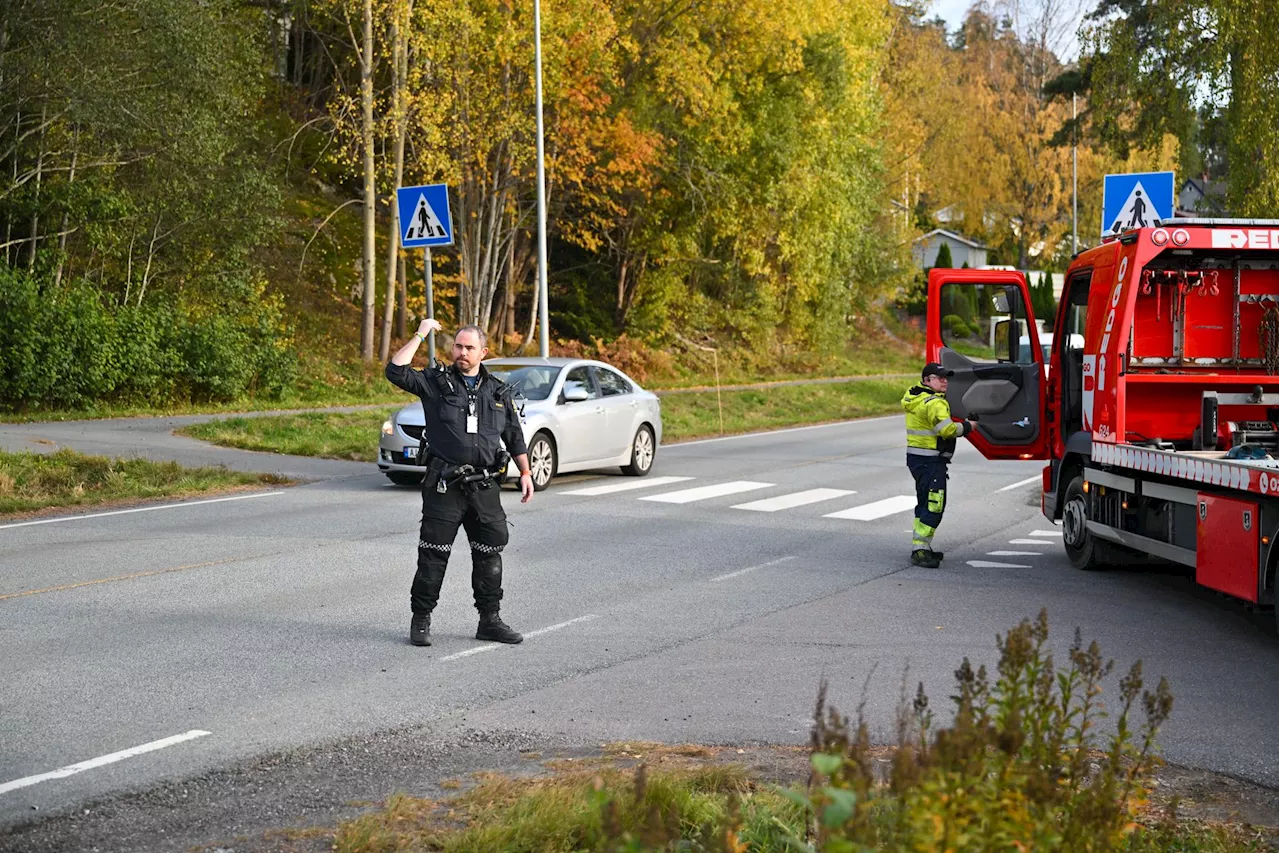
(935, 369)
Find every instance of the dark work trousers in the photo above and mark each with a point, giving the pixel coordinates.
(479, 512)
(930, 473)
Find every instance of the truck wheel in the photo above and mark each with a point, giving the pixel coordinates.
(1275, 584)
(1084, 550)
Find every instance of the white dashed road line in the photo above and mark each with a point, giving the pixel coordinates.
(1040, 542)
(646, 483)
(1015, 553)
(987, 564)
(1048, 534)
(139, 509)
(490, 646)
(751, 569)
(1025, 482)
(702, 493)
(879, 509)
(812, 496)
(72, 769)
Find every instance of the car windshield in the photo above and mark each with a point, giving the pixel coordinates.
(532, 381)
(1024, 351)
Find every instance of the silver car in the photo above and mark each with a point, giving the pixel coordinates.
(577, 414)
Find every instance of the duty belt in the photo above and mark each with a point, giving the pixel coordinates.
(469, 477)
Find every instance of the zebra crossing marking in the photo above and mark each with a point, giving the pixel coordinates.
(795, 499)
(627, 486)
(701, 493)
(878, 509)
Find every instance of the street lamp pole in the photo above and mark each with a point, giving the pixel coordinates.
(543, 339)
(1074, 198)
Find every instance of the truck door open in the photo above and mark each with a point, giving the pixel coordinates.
(980, 325)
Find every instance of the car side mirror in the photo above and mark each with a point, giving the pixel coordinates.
(575, 394)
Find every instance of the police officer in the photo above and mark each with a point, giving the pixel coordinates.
(467, 410)
(931, 440)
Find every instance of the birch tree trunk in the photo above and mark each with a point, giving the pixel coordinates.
(35, 214)
(402, 300)
(402, 16)
(62, 238)
(369, 270)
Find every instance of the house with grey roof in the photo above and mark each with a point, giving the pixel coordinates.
(924, 249)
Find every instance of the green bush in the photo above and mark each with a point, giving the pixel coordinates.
(914, 299)
(73, 348)
(956, 325)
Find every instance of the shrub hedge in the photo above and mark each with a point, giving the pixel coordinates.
(76, 348)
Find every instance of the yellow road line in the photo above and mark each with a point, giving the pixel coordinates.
(129, 577)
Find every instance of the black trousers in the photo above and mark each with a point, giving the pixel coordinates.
(930, 474)
(479, 512)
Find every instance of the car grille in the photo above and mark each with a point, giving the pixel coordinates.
(412, 430)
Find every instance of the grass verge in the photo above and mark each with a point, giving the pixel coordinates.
(694, 808)
(349, 436)
(698, 414)
(30, 482)
(354, 435)
(329, 378)
(1024, 765)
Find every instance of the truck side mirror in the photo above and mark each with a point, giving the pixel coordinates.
(1005, 340)
(1000, 301)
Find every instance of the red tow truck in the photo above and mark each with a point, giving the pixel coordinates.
(1157, 411)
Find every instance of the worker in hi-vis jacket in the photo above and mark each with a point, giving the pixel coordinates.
(931, 440)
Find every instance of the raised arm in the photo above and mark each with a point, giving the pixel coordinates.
(400, 374)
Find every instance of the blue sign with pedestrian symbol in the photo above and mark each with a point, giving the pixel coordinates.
(424, 216)
(1135, 200)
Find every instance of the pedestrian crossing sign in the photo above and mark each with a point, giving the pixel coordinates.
(1135, 200)
(424, 216)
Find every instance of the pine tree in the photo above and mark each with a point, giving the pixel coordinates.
(944, 257)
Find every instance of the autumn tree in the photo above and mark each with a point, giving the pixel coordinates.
(1203, 72)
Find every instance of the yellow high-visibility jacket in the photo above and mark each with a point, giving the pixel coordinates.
(930, 430)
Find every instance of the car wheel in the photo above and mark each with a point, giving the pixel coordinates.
(542, 461)
(1084, 550)
(643, 449)
(405, 478)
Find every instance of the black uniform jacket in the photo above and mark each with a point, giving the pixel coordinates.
(445, 402)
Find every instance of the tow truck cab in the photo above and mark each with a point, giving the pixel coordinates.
(1165, 339)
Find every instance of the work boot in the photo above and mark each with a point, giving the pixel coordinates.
(493, 628)
(925, 559)
(420, 629)
(937, 555)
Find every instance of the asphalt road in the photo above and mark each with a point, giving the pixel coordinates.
(279, 621)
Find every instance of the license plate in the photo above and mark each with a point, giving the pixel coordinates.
(411, 452)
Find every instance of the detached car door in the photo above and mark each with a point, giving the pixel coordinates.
(981, 326)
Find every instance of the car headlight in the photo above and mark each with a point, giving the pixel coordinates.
(387, 428)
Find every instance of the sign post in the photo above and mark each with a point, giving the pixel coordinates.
(1135, 200)
(425, 221)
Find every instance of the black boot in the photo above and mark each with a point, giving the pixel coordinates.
(493, 628)
(925, 559)
(420, 629)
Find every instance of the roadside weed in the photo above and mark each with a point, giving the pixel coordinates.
(1025, 764)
